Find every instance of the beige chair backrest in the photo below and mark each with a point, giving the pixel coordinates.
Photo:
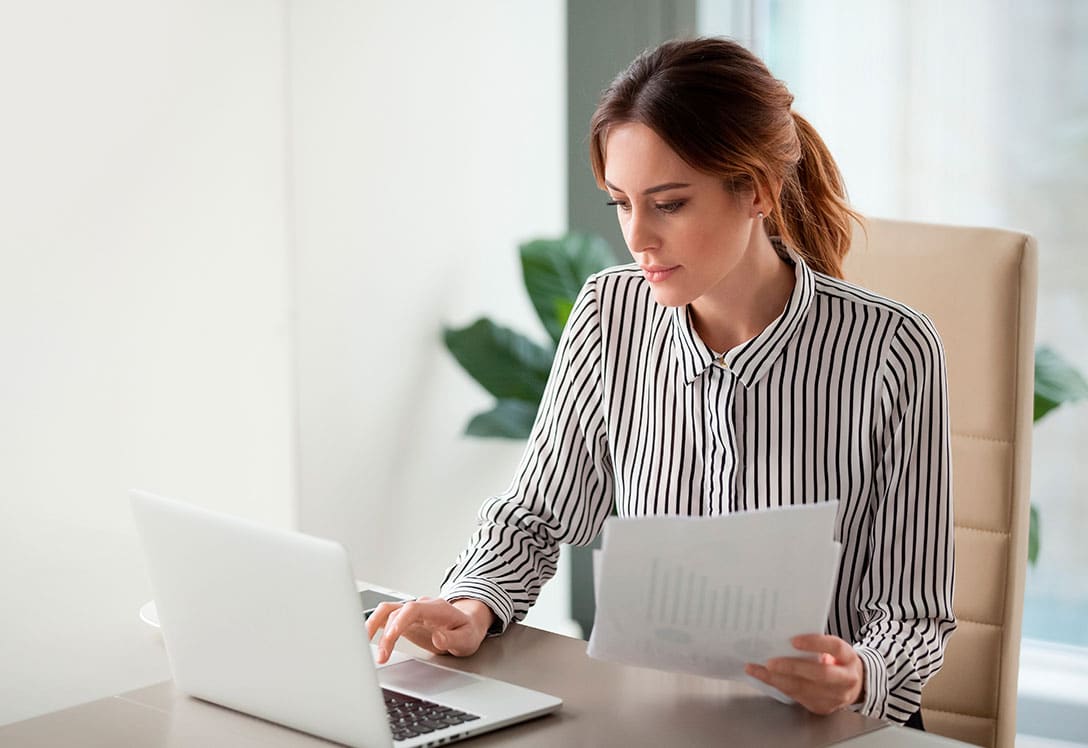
(978, 286)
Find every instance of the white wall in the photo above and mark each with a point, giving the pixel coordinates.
(143, 313)
(182, 183)
(428, 141)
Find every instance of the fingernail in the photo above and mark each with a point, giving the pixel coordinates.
(383, 654)
(440, 640)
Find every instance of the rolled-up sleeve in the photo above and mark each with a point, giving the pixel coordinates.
(906, 595)
(562, 489)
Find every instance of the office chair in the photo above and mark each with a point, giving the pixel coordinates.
(978, 286)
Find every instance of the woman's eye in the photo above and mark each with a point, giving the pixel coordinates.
(621, 204)
(670, 207)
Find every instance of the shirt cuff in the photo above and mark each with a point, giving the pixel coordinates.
(876, 682)
(487, 592)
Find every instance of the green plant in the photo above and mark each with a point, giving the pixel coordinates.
(508, 364)
(1056, 382)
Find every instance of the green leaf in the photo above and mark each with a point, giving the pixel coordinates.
(1056, 382)
(509, 419)
(555, 271)
(505, 363)
(1033, 536)
(563, 308)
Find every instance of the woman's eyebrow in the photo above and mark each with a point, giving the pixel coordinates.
(652, 190)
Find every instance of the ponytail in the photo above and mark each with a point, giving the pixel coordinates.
(814, 217)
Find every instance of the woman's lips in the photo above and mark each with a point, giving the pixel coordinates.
(657, 273)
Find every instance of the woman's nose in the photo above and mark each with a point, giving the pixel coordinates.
(641, 236)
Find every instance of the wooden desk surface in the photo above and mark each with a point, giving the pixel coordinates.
(604, 705)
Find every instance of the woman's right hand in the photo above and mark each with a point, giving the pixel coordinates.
(442, 627)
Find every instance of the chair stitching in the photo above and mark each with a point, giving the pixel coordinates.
(961, 619)
(959, 714)
(1004, 533)
(977, 437)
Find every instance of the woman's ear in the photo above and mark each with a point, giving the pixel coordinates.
(761, 198)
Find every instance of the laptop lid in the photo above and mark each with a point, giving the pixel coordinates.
(269, 622)
(264, 621)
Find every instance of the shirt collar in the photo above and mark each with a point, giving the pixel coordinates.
(750, 360)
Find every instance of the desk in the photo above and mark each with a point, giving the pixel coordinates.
(604, 705)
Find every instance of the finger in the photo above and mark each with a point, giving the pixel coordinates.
(396, 624)
(460, 642)
(778, 680)
(378, 617)
(787, 684)
(827, 673)
(758, 672)
(820, 689)
(428, 614)
(804, 692)
(390, 634)
(833, 645)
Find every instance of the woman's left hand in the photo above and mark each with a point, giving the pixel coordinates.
(833, 681)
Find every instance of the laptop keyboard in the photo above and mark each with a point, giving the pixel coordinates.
(409, 716)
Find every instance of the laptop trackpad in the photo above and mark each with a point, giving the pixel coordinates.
(421, 678)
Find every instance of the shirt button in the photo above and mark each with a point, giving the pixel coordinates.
(720, 360)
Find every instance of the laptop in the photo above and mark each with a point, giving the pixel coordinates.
(269, 622)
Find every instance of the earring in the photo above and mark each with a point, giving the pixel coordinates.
(760, 215)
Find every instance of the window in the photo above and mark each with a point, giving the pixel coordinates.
(976, 113)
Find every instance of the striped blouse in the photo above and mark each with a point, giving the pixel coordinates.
(843, 396)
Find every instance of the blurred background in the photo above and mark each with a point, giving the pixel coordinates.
(232, 232)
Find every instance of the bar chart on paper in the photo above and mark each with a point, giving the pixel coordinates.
(681, 596)
(708, 595)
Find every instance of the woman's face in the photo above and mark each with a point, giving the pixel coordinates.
(686, 232)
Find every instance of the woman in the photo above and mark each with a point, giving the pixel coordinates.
(731, 370)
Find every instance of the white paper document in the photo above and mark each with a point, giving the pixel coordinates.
(706, 595)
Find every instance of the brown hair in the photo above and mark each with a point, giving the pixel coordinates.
(720, 109)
